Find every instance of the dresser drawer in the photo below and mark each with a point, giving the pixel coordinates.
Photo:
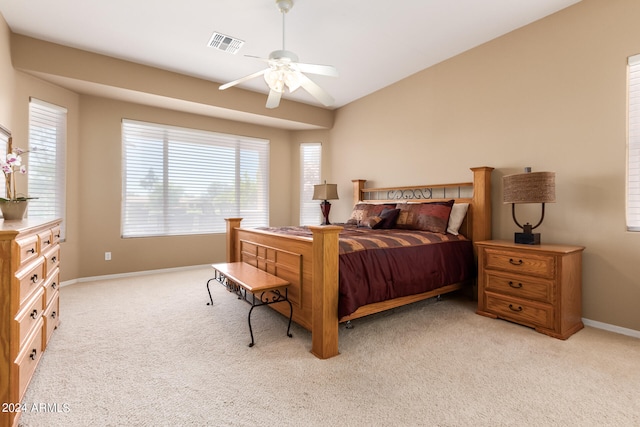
(28, 359)
(46, 240)
(29, 315)
(27, 249)
(51, 318)
(520, 311)
(52, 258)
(519, 286)
(55, 234)
(29, 279)
(51, 285)
(521, 262)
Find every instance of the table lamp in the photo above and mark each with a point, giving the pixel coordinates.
(529, 187)
(325, 192)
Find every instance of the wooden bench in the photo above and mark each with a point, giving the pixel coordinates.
(240, 278)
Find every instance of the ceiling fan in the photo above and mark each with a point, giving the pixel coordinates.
(285, 71)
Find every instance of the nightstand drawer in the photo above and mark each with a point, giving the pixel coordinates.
(520, 286)
(520, 262)
(520, 311)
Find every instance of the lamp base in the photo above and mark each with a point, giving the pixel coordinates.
(527, 238)
(325, 207)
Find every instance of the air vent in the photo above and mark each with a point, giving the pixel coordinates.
(225, 43)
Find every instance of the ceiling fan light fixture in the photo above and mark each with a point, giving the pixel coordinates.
(275, 79)
(279, 77)
(292, 81)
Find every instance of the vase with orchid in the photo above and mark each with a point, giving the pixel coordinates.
(13, 205)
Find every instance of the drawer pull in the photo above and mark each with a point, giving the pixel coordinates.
(32, 356)
(53, 314)
(54, 259)
(54, 285)
(48, 242)
(34, 278)
(34, 314)
(512, 308)
(31, 251)
(512, 262)
(513, 285)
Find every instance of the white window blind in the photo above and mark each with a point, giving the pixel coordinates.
(310, 166)
(46, 160)
(633, 148)
(179, 181)
(4, 148)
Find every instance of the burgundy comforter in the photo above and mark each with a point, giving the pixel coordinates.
(378, 265)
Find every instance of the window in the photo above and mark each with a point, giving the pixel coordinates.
(310, 156)
(46, 160)
(4, 148)
(179, 181)
(633, 147)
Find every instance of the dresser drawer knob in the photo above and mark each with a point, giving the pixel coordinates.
(33, 354)
(34, 314)
(54, 285)
(53, 314)
(34, 278)
(54, 259)
(512, 262)
(512, 308)
(31, 251)
(516, 286)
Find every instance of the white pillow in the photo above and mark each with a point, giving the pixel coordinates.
(458, 211)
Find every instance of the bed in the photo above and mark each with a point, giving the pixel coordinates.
(316, 259)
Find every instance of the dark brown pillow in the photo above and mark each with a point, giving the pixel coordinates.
(431, 216)
(388, 218)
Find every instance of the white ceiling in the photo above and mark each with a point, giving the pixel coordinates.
(372, 43)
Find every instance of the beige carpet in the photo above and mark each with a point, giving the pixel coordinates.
(148, 351)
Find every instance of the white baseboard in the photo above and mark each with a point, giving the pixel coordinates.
(132, 274)
(612, 328)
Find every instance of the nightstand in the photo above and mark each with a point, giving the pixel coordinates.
(539, 286)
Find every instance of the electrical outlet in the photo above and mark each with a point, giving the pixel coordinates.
(107, 256)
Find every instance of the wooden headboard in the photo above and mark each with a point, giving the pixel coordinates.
(477, 224)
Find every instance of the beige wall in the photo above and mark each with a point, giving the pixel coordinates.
(551, 96)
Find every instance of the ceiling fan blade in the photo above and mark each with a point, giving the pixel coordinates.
(274, 99)
(257, 57)
(315, 90)
(324, 70)
(243, 79)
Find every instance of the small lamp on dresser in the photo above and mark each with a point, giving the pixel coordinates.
(529, 187)
(325, 192)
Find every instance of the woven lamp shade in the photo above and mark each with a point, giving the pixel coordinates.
(325, 192)
(529, 187)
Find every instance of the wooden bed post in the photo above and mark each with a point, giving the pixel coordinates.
(324, 334)
(232, 225)
(358, 186)
(481, 203)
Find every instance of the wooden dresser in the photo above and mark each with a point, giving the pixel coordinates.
(29, 305)
(534, 285)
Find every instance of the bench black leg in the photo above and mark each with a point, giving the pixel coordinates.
(290, 315)
(209, 290)
(251, 329)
